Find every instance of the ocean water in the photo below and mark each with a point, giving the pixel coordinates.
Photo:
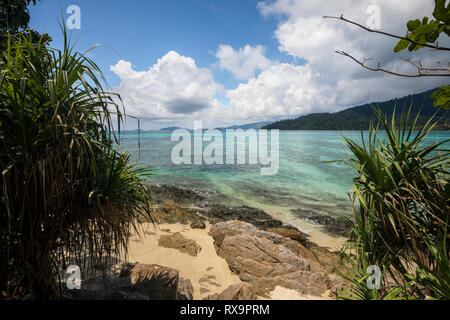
(303, 180)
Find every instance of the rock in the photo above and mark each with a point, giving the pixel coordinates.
(163, 193)
(331, 225)
(172, 213)
(153, 282)
(198, 225)
(266, 259)
(185, 290)
(243, 291)
(293, 234)
(219, 213)
(179, 242)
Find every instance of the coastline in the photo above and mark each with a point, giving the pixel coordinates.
(178, 213)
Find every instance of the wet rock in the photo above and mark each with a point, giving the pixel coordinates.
(219, 213)
(267, 260)
(163, 193)
(179, 242)
(331, 225)
(243, 291)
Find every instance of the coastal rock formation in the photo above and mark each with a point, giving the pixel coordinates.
(172, 213)
(219, 213)
(185, 290)
(242, 291)
(164, 193)
(331, 225)
(179, 242)
(293, 234)
(136, 282)
(266, 260)
(198, 225)
(152, 281)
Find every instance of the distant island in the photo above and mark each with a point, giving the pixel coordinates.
(358, 118)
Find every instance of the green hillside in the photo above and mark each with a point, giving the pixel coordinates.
(358, 118)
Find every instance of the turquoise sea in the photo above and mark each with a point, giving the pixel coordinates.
(303, 180)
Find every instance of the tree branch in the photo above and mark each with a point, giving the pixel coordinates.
(409, 75)
(435, 47)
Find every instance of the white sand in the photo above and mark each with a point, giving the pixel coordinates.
(208, 272)
(205, 265)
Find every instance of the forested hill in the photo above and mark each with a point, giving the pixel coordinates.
(358, 118)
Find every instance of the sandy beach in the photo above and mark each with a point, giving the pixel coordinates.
(208, 273)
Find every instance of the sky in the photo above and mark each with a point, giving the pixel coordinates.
(229, 62)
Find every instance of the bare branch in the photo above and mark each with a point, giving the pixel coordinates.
(435, 47)
(421, 68)
(408, 75)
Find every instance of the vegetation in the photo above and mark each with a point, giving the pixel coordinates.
(358, 118)
(401, 201)
(421, 33)
(68, 194)
(14, 19)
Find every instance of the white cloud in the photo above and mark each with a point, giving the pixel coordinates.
(172, 88)
(304, 33)
(244, 62)
(175, 90)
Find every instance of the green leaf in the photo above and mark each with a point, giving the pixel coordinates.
(401, 45)
(413, 25)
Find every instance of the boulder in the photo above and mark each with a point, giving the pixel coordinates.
(179, 242)
(267, 260)
(185, 290)
(219, 213)
(331, 225)
(293, 234)
(198, 225)
(153, 282)
(243, 291)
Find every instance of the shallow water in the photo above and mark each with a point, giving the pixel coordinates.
(303, 180)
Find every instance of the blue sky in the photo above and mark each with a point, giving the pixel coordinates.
(144, 30)
(240, 61)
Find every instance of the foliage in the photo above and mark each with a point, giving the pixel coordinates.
(428, 31)
(68, 194)
(358, 118)
(402, 196)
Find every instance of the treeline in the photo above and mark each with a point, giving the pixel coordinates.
(358, 118)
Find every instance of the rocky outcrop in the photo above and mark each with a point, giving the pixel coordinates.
(172, 213)
(179, 242)
(266, 260)
(331, 225)
(292, 234)
(185, 290)
(198, 225)
(219, 213)
(164, 193)
(136, 282)
(152, 281)
(242, 291)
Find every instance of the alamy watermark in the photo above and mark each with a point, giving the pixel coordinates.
(74, 20)
(374, 280)
(374, 19)
(213, 153)
(73, 274)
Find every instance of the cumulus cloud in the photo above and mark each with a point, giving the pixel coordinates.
(304, 33)
(175, 89)
(172, 88)
(244, 62)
